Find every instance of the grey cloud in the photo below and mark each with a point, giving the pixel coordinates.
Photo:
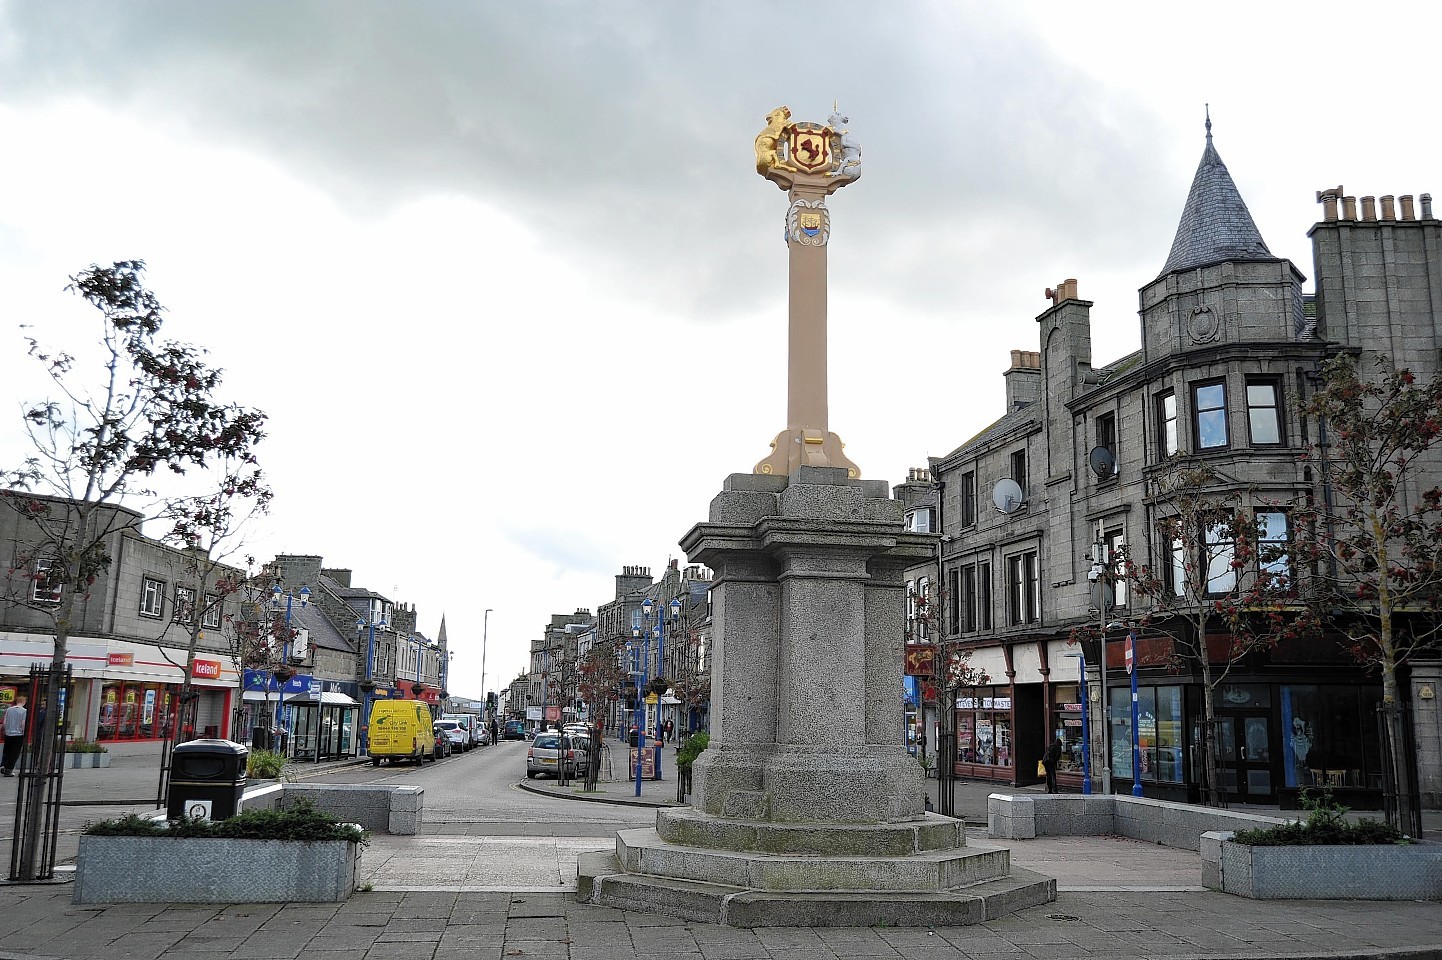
(625, 133)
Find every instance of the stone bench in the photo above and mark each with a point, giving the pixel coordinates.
(380, 809)
(1163, 822)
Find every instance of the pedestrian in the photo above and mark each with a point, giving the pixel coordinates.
(670, 728)
(14, 724)
(1049, 760)
(495, 731)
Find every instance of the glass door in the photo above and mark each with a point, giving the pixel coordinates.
(1244, 747)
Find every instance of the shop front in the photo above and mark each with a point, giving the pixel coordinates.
(984, 742)
(126, 691)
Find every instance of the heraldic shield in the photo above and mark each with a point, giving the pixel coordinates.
(808, 147)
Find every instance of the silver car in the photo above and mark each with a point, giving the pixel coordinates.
(550, 751)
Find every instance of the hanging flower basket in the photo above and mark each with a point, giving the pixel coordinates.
(367, 685)
(282, 674)
(659, 686)
(418, 688)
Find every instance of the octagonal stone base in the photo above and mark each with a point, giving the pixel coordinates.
(944, 884)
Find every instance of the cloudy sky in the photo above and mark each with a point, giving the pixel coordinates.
(508, 285)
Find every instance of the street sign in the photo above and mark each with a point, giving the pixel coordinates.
(1131, 651)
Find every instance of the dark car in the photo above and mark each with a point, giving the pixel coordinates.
(444, 747)
(514, 730)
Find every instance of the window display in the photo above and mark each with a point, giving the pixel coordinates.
(983, 728)
(1067, 727)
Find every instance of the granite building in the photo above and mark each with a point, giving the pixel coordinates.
(1229, 344)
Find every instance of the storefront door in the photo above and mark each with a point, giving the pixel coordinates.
(1244, 744)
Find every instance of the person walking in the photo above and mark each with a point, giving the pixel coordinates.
(14, 724)
(495, 731)
(670, 729)
(1049, 760)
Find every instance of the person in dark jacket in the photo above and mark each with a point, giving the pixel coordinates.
(1049, 760)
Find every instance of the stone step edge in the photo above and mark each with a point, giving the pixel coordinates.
(735, 906)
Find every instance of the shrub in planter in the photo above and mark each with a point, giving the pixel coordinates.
(263, 856)
(687, 753)
(1326, 825)
(265, 765)
(84, 746)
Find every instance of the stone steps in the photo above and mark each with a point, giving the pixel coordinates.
(602, 881)
(642, 851)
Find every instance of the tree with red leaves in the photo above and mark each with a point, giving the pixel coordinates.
(148, 407)
(1373, 531)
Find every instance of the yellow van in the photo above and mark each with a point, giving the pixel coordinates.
(401, 730)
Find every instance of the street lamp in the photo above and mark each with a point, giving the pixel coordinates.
(651, 615)
(640, 738)
(1097, 575)
(1086, 727)
(485, 629)
(369, 685)
(276, 593)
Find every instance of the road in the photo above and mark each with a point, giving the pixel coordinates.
(481, 831)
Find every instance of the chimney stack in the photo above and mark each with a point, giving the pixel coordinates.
(1023, 380)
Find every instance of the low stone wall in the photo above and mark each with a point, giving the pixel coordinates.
(86, 761)
(212, 870)
(1362, 872)
(380, 809)
(1163, 822)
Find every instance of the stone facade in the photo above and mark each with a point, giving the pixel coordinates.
(1229, 344)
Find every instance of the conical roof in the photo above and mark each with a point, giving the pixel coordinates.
(1216, 224)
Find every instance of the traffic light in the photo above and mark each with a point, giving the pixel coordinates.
(491, 701)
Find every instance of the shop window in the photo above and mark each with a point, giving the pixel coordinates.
(983, 723)
(1167, 424)
(1330, 737)
(1209, 407)
(152, 597)
(968, 498)
(1264, 411)
(47, 581)
(1067, 726)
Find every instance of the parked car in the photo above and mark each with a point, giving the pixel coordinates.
(467, 723)
(444, 745)
(550, 753)
(458, 736)
(514, 730)
(482, 736)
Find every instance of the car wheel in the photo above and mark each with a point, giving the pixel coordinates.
(530, 774)
(375, 761)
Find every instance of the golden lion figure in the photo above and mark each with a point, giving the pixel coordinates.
(766, 140)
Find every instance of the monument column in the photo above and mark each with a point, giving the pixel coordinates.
(810, 162)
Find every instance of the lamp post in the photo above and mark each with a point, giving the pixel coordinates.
(1098, 577)
(1136, 752)
(640, 736)
(1086, 727)
(276, 593)
(652, 615)
(485, 630)
(369, 686)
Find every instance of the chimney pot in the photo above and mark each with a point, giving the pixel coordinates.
(1426, 199)
(1328, 199)
(1349, 208)
(1408, 211)
(1369, 208)
(1389, 209)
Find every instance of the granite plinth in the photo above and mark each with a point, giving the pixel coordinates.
(693, 828)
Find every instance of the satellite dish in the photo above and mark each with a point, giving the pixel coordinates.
(1103, 462)
(1007, 495)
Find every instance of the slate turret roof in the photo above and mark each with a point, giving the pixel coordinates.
(1216, 224)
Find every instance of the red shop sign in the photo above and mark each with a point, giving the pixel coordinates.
(206, 669)
(120, 659)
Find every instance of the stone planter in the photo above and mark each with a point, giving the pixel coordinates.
(78, 761)
(213, 870)
(1363, 872)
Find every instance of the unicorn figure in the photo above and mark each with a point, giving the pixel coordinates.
(849, 165)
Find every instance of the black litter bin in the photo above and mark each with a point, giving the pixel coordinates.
(207, 779)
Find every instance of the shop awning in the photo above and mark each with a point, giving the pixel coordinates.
(329, 698)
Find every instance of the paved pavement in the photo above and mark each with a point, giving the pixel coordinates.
(509, 896)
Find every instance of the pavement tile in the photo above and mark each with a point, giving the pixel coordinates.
(536, 949)
(401, 951)
(202, 943)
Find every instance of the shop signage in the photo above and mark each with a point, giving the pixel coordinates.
(920, 660)
(206, 669)
(263, 680)
(1131, 651)
(553, 713)
(120, 659)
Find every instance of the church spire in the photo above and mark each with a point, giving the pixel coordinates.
(1215, 224)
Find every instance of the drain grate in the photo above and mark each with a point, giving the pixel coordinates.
(1063, 917)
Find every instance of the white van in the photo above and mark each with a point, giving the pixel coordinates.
(465, 724)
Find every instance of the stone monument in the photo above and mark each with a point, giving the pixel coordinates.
(807, 808)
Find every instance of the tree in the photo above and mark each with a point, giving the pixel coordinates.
(1374, 535)
(599, 681)
(149, 407)
(208, 527)
(952, 672)
(1222, 591)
